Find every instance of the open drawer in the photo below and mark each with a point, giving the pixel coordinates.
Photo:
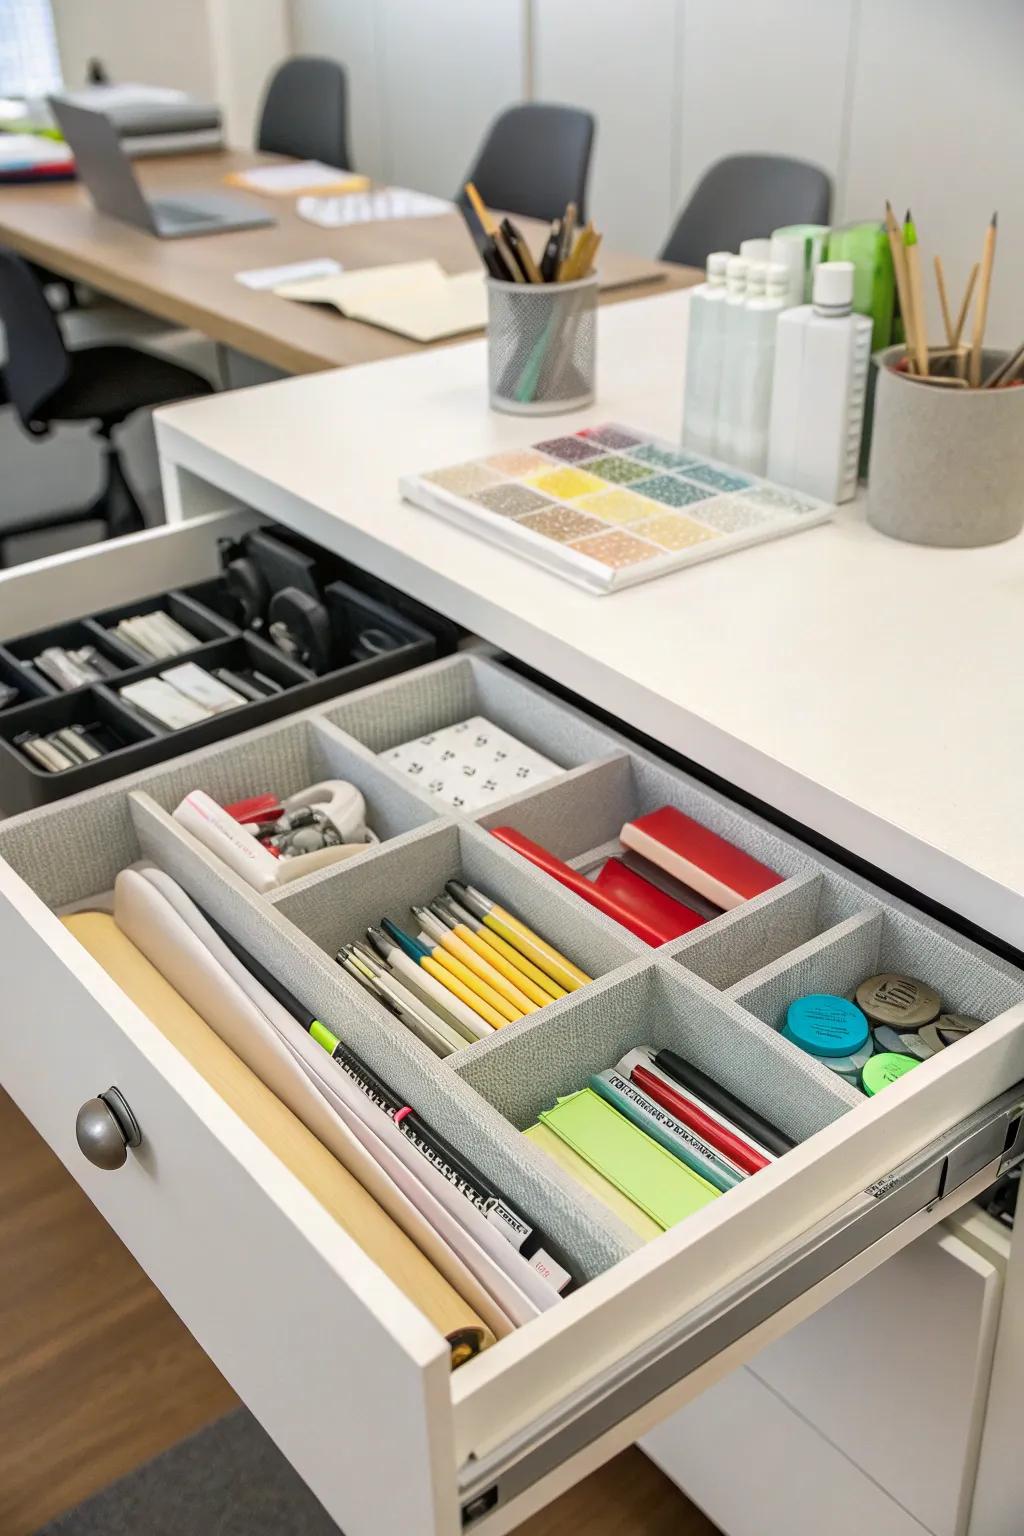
(343, 1370)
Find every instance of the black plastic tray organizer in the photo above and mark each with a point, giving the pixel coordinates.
(129, 738)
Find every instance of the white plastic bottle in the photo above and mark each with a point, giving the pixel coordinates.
(822, 353)
(754, 395)
(704, 357)
(736, 276)
(756, 250)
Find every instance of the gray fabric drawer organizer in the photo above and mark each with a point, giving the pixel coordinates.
(717, 995)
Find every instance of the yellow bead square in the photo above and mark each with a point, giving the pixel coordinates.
(618, 506)
(566, 484)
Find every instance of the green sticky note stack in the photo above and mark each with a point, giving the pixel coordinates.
(649, 1175)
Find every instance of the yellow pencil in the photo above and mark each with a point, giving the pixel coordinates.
(981, 308)
(516, 933)
(441, 934)
(916, 294)
(899, 263)
(458, 989)
(509, 1012)
(494, 944)
(493, 957)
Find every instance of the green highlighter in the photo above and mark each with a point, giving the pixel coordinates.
(653, 1178)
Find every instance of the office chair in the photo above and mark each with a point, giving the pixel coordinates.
(46, 383)
(305, 112)
(744, 196)
(534, 160)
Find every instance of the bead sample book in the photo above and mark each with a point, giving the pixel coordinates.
(610, 506)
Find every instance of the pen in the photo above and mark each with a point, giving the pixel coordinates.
(452, 973)
(442, 935)
(567, 235)
(426, 975)
(520, 936)
(461, 924)
(467, 1179)
(504, 265)
(549, 260)
(416, 1017)
(508, 951)
(521, 251)
(433, 992)
(422, 990)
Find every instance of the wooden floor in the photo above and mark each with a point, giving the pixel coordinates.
(97, 1374)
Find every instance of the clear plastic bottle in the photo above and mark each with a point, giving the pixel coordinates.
(736, 278)
(754, 396)
(822, 354)
(704, 357)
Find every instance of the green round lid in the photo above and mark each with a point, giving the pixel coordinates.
(885, 1068)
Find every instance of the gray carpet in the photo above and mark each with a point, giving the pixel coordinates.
(227, 1480)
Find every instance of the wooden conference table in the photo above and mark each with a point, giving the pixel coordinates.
(191, 282)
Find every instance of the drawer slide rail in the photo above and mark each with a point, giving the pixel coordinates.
(993, 1135)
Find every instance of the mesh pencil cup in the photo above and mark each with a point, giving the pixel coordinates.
(541, 346)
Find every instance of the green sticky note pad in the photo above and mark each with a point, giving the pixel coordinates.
(652, 1177)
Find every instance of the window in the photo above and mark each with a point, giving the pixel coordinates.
(29, 63)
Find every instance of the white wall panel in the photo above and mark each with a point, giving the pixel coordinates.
(758, 77)
(346, 30)
(449, 67)
(937, 122)
(620, 64)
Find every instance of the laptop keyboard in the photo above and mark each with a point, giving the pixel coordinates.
(181, 213)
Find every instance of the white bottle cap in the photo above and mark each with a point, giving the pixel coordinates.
(756, 250)
(736, 275)
(833, 287)
(716, 267)
(757, 277)
(776, 277)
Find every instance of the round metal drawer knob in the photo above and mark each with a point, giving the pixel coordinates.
(105, 1128)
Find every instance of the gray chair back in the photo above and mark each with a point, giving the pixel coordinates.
(37, 359)
(534, 160)
(745, 196)
(305, 112)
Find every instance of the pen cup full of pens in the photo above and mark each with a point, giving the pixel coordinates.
(947, 462)
(542, 345)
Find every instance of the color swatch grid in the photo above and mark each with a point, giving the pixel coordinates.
(608, 506)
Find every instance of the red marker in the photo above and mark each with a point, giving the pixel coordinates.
(717, 1135)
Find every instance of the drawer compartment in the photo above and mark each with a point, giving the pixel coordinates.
(370, 640)
(649, 1324)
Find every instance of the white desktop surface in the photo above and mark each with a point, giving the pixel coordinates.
(870, 689)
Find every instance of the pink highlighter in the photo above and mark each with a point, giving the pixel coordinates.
(618, 892)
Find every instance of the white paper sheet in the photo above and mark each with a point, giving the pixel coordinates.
(370, 207)
(262, 278)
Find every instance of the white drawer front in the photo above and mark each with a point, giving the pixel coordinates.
(571, 1387)
(305, 1328)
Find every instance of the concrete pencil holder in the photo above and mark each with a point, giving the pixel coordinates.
(541, 346)
(947, 465)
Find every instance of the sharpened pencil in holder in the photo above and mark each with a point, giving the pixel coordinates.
(542, 346)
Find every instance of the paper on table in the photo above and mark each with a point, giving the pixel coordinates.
(295, 177)
(369, 207)
(293, 272)
(417, 299)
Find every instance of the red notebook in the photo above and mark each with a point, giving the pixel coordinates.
(698, 857)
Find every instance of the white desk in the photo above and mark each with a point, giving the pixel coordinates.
(867, 688)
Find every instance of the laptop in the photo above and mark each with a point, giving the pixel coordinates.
(109, 175)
